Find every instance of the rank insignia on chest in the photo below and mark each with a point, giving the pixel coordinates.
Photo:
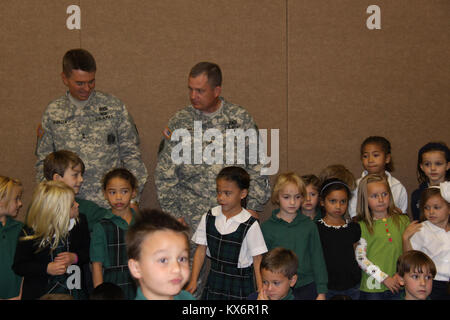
(232, 124)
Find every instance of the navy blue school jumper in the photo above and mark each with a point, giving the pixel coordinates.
(225, 280)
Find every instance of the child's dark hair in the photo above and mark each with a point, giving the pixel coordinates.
(340, 172)
(107, 291)
(311, 179)
(432, 146)
(280, 260)
(384, 144)
(427, 194)
(236, 174)
(331, 185)
(415, 261)
(122, 173)
(59, 161)
(147, 222)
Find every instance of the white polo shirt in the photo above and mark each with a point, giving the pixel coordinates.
(253, 243)
(435, 243)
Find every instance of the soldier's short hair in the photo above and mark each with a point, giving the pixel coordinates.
(78, 59)
(59, 161)
(211, 70)
(280, 260)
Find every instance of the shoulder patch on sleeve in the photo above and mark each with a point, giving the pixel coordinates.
(40, 131)
(167, 133)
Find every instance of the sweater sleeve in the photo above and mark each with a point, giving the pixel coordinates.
(365, 264)
(26, 261)
(318, 262)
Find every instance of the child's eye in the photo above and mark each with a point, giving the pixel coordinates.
(183, 259)
(276, 283)
(428, 277)
(384, 194)
(163, 260)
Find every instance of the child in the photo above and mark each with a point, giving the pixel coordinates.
(309, 206)
(382, 225)
(279, 274)
(108, 249)
(433, 167)
(289, 229)
(66, 166)
(49, 244)
(10, 204)
(433, 237)
(376, 158)
(232, 239)
(340, 172)
(339, 237)
(416, 271)
(158, 251)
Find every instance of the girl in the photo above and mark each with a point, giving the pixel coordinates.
(377, 159)
(232, 239)
(382, 225)
(339, 237)
(289, 229)
(108, 249)
(55, 237)
(10, 204)
(432, 236)
(433, 167)
(309, 206)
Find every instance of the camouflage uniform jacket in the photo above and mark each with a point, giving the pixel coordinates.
(103, 135)
(189, 190)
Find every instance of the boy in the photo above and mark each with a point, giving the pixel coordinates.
(158, 256)
(66, 166)
(310, 207)
(279, 275)
(416, 271)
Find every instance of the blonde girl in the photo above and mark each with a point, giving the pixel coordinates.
(41, 256)
(290, 229)
(432, 236)
(10, 204)
(382, 225)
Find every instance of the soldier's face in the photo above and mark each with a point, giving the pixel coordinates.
(80, 83)
(203, 97)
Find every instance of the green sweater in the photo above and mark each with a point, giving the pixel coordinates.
(9, 281)
(92, 211)
(302, 237)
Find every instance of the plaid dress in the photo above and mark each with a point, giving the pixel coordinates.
(118, 271)
(225, 280)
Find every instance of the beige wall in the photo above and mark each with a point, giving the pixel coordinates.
(309, 68)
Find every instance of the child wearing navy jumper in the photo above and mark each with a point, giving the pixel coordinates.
(232, 239)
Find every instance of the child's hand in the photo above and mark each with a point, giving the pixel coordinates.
(67, 258)
(56, 268)
(392, 283)
(191, 287)
(411, 229)
(321, 296)
(262, 295)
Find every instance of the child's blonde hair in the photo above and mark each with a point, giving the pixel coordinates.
(7, 186)
(362, 208)
(282, 180)
(49, 213)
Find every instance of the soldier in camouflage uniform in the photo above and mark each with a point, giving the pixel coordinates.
(95, 125)
(189, 190)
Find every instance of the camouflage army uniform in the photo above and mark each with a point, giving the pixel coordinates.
(189, 190)
(103, 135)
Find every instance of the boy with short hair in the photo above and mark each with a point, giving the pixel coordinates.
(158, 256)
(279, 275)
(66, 166)
(416, 271)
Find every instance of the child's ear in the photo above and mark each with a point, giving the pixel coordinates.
(293, 281)
(57, 177)
(388, 158)
(244, 193)
(401, 280)
(135, 268)
(133, 194)
(322, 203)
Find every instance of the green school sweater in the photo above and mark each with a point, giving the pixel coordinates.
(302, 237)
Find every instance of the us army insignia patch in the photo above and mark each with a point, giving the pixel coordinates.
(167, 133)
(40, 131)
